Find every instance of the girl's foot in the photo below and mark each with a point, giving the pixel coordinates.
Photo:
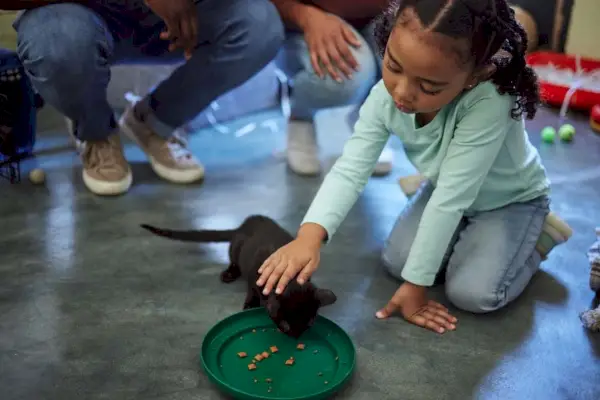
(554, 232)
(302, 151)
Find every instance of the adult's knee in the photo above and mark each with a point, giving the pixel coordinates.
(330, 93)
(256, 32)
(472, 297)
(62, 40)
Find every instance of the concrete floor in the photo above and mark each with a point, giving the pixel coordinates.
(93, 308)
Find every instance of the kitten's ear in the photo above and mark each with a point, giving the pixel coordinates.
(272, 306)
(325, 297)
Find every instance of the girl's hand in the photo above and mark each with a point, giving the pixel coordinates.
(329, 39)
(411, 301)
(301, 256)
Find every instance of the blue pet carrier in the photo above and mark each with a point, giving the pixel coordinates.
(17, 116)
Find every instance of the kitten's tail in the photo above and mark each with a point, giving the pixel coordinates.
(193, 235)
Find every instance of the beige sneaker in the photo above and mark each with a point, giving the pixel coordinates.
(302, 151)
(105, 170)
(170, 159)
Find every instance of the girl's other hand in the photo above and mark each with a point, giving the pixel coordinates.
(411, 302)
(299, 258)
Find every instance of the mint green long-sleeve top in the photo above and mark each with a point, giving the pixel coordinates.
(476, 155)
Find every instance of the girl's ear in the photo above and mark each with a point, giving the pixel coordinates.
(482, 74)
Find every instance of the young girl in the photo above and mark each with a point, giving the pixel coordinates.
(455, 89)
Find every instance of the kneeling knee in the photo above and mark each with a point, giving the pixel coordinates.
(472, 298)
(61, 39)
(259, 30)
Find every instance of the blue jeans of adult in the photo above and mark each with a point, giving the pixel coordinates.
(311, 93)
(67, 50)
(491, 258)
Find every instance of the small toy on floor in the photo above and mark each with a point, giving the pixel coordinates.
(37, 176)
(566, 133)
(591, 318)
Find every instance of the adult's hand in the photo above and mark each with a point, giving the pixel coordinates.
(329, 41)
(411, 302)
(181, 19)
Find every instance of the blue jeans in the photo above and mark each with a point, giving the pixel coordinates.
(491, 257)
(311, 93)
(67, 50)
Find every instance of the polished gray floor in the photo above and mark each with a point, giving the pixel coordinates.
(91, 307)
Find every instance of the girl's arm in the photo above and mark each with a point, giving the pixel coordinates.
(349, 175)
(477, 140)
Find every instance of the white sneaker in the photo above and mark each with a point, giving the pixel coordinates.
(385, 162)
(302, 150)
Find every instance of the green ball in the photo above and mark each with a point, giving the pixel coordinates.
(548, 134)
(566, 132)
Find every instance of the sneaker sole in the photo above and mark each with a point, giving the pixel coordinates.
(106, 188)
(166, 173)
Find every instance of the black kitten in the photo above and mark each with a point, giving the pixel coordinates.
(295, 310)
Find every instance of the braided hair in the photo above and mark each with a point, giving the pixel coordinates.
(495, 35)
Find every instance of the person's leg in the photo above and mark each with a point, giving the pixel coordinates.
(397, 246)
(236, 39)
(66, 50)
(310, 93)
(495, 256)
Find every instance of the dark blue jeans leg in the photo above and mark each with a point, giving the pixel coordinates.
(66, 51)
(237, 39)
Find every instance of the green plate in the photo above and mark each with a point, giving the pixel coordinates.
(320, 370)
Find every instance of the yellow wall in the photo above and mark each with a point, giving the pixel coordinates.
(8, 36)
(584, 33)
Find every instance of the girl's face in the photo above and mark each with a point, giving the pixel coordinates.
(422, 70)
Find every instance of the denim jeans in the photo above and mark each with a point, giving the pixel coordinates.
(67, 50)
(491, 257)
(311, 93)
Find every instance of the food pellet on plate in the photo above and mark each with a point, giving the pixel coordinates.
(268, 380)
(327, 383)
(300, 346)
(274, 349)
(255, 380)
(251, 367)
(253, 330)
(258, 357)
(265, 354)
(241, 354)
(289, 362)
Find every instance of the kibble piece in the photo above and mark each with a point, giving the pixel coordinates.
(255, 380)
(253, 330)
(258, 357)
(327, 383)
(274, 349)
(268, 380)
(241, 354)
(251, 367)
(289, 362)
(265, 354)
(300, 346)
